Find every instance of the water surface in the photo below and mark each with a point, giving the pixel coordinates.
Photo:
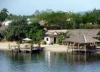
(48, 62)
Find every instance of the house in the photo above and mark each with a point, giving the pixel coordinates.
(93, 33)
(42, 22)
(82, 43)
(29, 21)
(51, 36)
(6, 22)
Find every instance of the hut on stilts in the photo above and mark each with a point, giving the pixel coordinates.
(81, 43)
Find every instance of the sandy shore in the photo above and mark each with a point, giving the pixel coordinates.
(5, 45)
(53, 48)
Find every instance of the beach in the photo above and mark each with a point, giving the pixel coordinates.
(5, 45)
(53, 48)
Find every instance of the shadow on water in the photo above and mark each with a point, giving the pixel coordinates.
(52, 57)
(49, 62)
(22, 62)
(24, 57)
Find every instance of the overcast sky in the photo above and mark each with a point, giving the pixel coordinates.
(28, 7)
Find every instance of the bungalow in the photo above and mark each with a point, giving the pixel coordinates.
(82, 43)
(52, 36)
(93, 33)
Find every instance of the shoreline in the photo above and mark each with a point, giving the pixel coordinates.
(56, 48)
(4, 46)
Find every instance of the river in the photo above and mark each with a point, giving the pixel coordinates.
(48, 62)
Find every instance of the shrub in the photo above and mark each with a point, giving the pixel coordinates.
(44, 42)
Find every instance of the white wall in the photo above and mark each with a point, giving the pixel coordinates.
(7, 22)
(50, 40)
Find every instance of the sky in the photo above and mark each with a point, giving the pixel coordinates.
(28, 7)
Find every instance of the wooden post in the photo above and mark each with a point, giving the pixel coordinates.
(78, 48)
(31, 48)
(72, 48)
(67, 47)
(85, 52)
(18, 47)
(9, 46)
(78, 51)
(85, 48)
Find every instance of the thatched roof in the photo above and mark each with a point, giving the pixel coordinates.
(81, 39)
(89, 32)
(57, 31)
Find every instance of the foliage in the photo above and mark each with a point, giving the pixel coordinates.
(61, 37)
(35, 32)
(60, 40)
(89, 26)
(44, 42)
(69, 20)
(60, 19)
(98, 38)
(17, 29)
(3, 14)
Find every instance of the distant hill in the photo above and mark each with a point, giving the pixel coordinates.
(82, 13)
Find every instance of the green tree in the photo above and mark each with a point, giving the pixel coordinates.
(3, 14)
(16, 30)
(35, 32)
(40, 35)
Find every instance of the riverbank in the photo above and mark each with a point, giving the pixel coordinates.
(7, 46)
(53, 48)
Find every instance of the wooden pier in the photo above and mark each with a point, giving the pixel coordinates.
(18, 49)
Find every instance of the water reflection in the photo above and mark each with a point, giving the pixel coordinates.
(49, 62)
(24, 57)
(72, 62)
(23, 62)
(71, 58)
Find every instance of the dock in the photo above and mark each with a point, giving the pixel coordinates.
(19, 49)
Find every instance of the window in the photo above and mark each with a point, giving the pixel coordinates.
(46, 39)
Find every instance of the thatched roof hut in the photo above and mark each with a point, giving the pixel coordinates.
(81, 39)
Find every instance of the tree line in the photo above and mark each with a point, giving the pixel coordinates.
(70, 20)
(19, 28)
(60, 19)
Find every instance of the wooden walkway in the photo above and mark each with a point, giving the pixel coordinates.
(25, 50)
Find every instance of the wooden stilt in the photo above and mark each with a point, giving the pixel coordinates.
(85, 48)
(72, 45)
(67, 47)
(78, 52)
(9, 46)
